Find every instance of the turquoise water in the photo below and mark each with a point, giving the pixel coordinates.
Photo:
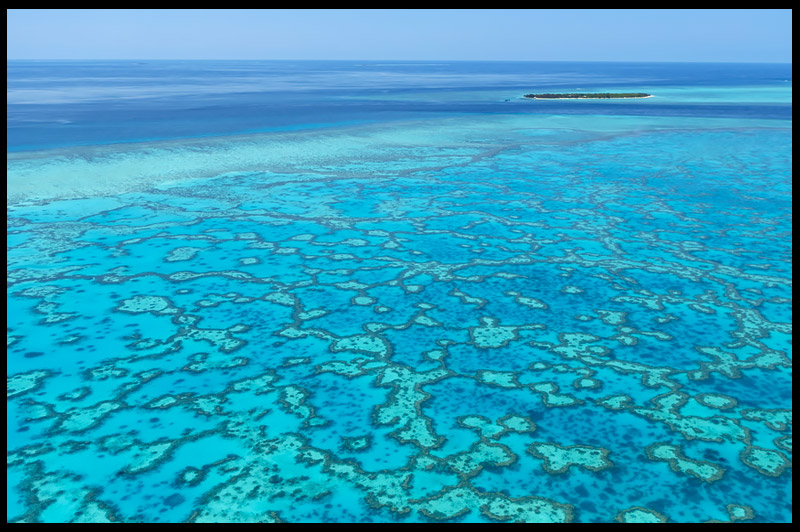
(525, 314)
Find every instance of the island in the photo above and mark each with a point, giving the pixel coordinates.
(588, 95)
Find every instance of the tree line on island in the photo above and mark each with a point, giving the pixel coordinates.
(589, 95)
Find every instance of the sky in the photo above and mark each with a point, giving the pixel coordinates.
(682, 35)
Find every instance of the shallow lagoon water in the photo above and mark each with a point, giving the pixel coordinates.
(481, 317)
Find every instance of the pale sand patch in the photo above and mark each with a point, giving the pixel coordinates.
(91, 171)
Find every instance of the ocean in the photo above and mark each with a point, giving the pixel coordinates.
(363, 291)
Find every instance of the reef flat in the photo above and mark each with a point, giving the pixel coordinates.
(489, 318)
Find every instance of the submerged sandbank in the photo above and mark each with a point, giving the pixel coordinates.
(85, 171)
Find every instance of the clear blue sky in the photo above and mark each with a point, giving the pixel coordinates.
(729, 35)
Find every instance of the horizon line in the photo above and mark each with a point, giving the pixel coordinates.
(399, 60)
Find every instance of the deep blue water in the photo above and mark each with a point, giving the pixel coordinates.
(255, 291)
(56, 104)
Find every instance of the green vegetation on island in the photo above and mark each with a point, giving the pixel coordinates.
(588, 95)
